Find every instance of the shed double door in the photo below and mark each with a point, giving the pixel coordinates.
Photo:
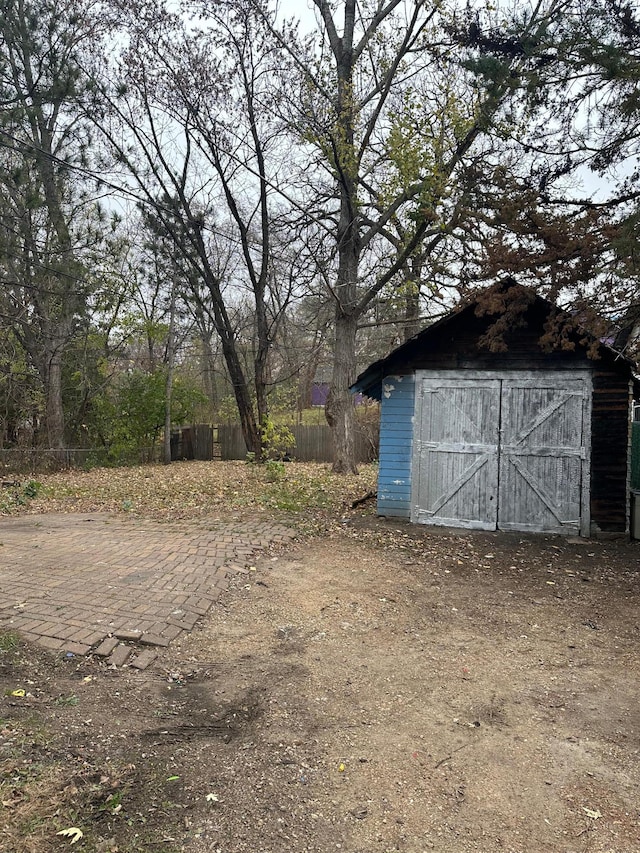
(503, 451)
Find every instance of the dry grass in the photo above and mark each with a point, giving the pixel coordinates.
(38, 800)
(308, 492)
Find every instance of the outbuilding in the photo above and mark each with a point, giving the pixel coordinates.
(486, 423)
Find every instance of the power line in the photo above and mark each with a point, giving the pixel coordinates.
(401, 321)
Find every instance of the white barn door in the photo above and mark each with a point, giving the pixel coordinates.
(542, 454)
(503, 452)
(456, 472)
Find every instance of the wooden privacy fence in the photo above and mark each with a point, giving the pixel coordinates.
(201, 441)
(194, 442)
(313, 444)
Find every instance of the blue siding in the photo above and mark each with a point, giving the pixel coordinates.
(396, 444)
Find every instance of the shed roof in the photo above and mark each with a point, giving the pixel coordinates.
(369, 382)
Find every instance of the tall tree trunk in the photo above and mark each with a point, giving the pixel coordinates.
(208, 371)
(231, 356)
(261, 367)
(54, 412)
(171, 347)
(224, 327)
(411, 325)
(250, 430)
(167, 416)
(339, 410)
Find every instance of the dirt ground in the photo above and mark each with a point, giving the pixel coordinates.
(382, 688)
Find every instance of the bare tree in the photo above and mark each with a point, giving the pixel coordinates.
(201, 146)
(366, 111)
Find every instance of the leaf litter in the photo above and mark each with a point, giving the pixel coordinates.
(366, 678)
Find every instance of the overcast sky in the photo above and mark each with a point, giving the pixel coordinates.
(302, 9)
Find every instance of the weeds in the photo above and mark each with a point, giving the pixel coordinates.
(274, 470)
(9, 641)
(67, 701)
(42, 798)
(18, 495)
(31, 489)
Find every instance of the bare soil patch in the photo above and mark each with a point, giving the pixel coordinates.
(383, 687)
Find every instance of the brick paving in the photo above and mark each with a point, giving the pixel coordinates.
(112, 586)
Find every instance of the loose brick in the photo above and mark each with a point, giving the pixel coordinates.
(76, 648)
(106, 647)
(120, 655)
(154, 640)
(126, 634)
(143, 660)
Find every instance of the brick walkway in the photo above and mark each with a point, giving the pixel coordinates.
(111, 585)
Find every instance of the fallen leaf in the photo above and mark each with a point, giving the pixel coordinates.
(72, 832)
(212, 798)
(591, 813)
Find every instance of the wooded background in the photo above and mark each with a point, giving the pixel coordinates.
(206, 210)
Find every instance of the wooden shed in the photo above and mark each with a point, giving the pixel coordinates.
(529, 438)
